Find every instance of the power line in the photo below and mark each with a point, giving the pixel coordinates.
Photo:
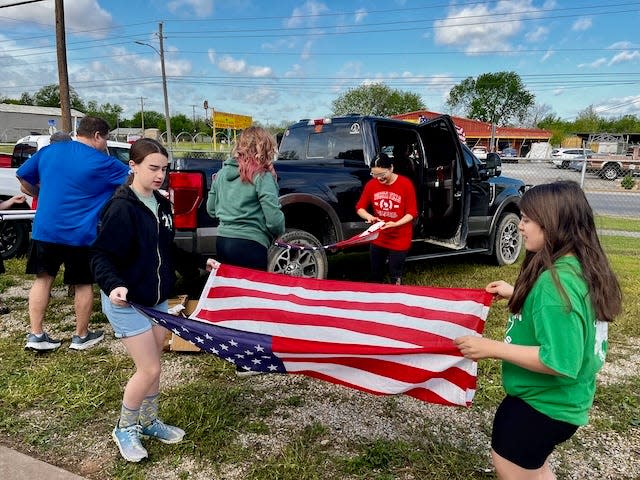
(20, 3)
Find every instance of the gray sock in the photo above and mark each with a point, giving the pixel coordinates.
(149, 410)
(128, 417)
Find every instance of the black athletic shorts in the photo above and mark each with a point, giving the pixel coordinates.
(45, 257)
(525, 436)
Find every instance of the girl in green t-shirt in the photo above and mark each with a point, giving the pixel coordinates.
(556, 338)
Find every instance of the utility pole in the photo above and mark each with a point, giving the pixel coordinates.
(63, 74)
(166, 96)
(194, 114)
(142, 113)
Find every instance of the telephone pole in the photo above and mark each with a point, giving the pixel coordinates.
(63, 74)
(166, 95)
(142, 113)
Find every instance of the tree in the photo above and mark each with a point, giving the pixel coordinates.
(49, 96)
(111, 113)
(376, 99)
(179, 123)
(497, 98)
(535, 114)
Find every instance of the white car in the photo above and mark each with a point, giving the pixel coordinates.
(14, 234)
(480, 152)
(561, 157)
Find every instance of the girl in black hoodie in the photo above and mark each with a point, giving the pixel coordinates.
(132, 262)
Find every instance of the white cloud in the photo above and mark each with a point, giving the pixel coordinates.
(305, 54)
(624, 44)
(464, 27)
(627, 105)
(361, 13)
(624, 57)
(262, 96)
(296, 71)
(581, 24)
(199, 8)
(595, 64)
(547, 55)
(211, 54)
(260, 71)
(86, 18)
(540, 33)
(231, 65)
(236, 67)
(305, 15)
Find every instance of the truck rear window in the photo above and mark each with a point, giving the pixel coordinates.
(317, 142)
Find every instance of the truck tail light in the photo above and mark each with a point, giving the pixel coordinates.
(185, 192)
(34, 203)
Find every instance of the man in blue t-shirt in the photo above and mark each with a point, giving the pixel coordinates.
(72, 181)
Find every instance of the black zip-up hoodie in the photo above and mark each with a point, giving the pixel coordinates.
(134, 249)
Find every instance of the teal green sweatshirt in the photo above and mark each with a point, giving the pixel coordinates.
(245, 210)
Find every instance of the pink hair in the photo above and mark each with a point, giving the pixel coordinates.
(254, 150)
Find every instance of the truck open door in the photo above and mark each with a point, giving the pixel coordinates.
(445, 201)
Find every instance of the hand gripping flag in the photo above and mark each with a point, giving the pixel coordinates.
(382, 339)
(369, 235)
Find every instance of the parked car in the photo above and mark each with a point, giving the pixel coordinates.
(561, 157)
(480, 152)
(509, 152)
(14, 234)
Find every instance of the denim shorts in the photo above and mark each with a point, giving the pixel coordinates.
(126, 321)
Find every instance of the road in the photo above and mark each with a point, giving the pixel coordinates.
(606, 197)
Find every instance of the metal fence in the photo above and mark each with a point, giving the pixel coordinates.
(607, 197)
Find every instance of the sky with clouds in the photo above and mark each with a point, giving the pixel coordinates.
(285, 60)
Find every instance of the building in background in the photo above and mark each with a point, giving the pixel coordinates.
(478, 134)
(17, 121)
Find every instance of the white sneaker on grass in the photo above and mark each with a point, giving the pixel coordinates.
(88, 341)
(128, 441)
(163, 432)
(42, 343)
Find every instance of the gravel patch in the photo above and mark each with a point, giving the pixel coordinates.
(347, 415)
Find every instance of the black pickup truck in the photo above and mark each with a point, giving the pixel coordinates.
(465, 205)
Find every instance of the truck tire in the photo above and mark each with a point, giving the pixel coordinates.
(610, 172)
(508, 241)
(14, 238)
(299, 263)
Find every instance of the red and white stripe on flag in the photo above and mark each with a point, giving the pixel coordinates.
(382, 339)
(461, 134)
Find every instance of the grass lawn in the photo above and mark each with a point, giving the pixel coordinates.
(61, 406)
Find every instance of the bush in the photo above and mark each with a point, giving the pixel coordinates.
(628, 182)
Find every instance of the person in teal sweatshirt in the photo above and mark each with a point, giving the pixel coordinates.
(244, 198)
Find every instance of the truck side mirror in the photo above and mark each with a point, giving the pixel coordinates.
(494, 164)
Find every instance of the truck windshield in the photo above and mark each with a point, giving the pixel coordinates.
(316, 142)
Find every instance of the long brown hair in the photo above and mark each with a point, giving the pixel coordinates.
(565, 216)
(254, 150)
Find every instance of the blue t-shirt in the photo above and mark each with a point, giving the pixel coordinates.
(75, 182)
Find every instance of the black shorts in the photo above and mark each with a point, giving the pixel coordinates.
(525, 436)
(45, 257)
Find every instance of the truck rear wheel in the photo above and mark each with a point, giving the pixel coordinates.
(14, 238)
(299, 263)
(610, 172)
(508, 241)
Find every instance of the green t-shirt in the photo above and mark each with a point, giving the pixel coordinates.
(571, 342)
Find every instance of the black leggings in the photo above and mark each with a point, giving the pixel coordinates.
(379, 256)
(241, 253)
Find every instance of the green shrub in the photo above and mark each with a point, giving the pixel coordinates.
(628, 182)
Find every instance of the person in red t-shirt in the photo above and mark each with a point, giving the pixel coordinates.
(393, 200)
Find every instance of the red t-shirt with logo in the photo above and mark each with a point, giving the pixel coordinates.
(390, 203)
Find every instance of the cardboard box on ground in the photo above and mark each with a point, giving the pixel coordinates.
(173, 342)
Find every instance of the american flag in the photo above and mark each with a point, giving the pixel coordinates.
(382, 339)
(461, 135)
